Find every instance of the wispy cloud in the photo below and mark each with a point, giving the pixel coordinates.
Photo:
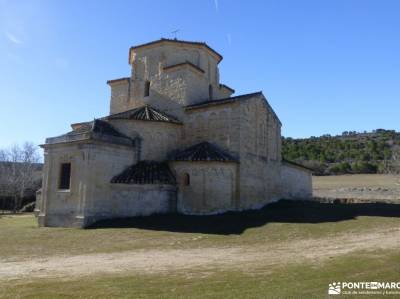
(216, 5)
(12, 38)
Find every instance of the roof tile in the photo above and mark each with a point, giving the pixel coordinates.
(145, 113)
(145, 172)
(204, 151)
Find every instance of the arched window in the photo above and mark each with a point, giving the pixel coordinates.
(210, 92)
(186, 179)
(147, 88)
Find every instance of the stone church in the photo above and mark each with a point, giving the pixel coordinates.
(176, 140)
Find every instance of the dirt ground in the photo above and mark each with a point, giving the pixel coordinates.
(362, 186)
(158, 261)
(243, 256)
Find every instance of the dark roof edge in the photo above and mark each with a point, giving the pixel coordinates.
(183, 64)
(227, 87)
(175, 41)
(86, 137)
(221, 101)
(117, 80)
(236, 161)
(297, 165)
(271, 109)
(80, 123)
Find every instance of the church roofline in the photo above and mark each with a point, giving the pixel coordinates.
(98, 129)
(235, 99)
(87, 137)
(176, 41)
(183, 64)
(145, 113)
(294, 164)
(118, 80)
(222, 101)
(202, 152)
(227, 87)
(146, 172)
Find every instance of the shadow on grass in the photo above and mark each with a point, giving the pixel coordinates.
(283, 211)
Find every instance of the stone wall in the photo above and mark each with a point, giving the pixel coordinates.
(92, 167)
(119, 95)
(141, 200)
(179, 75)
(219, 125)
(210, 189)
(259, 154)
(158, 139)
(249, 130)
(296, 182)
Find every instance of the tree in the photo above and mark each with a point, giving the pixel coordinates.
(395, 160)
(18, 165)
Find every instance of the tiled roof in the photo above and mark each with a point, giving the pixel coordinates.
(204, 151)
(98, 130)
(145, 113)
(178, 42)
(146, 172)
(97, 126)
(223, 101)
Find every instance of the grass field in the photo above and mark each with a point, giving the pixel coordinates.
(371, 187)
(294, 281)
(359, 180)
(286, 250)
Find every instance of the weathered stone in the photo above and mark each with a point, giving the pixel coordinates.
(181, 80)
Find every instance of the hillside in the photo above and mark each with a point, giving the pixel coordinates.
(352, 152)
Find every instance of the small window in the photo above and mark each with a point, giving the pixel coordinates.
(65, 176)
(147, 89)
(186, 179)
(210, 92)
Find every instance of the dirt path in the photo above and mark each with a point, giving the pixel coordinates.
(157, 261)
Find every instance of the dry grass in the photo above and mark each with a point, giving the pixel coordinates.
(370, 187)
(296, 250)
(22, 239)
(293, 281)
(354, 181)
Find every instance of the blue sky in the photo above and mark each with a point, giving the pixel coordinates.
(325, 66)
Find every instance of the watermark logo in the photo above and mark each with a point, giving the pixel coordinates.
(364, 288)
(335, 288)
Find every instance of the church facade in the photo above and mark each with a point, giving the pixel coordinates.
(176, 140)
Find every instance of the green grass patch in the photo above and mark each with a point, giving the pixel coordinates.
(22, 238)
(292, 281)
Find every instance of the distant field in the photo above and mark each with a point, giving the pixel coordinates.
(285, 250)
(363, 186)
(358, 180)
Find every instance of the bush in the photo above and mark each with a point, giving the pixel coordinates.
(364, 167)
(341, 168)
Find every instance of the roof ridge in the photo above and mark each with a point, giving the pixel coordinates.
(145, 172)
(203, 151)
(232, 99)
(145, 112)
(206, 102)
(204, 44)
